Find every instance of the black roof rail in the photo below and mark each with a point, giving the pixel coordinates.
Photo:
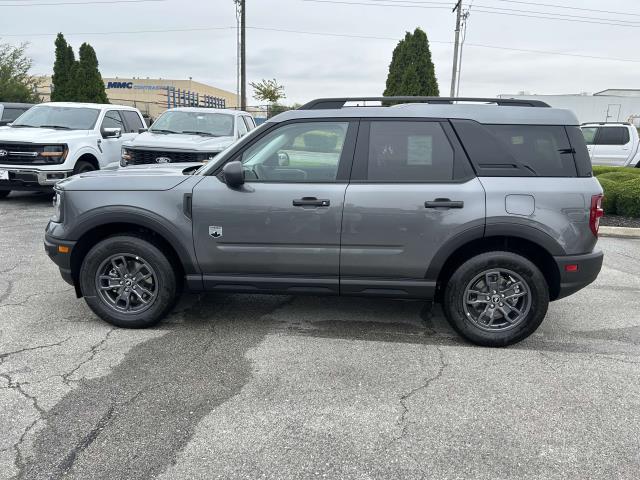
(607, 123)
(336, 103)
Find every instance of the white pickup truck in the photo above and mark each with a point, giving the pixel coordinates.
(53, 141)
(612, 144)
(187, 134)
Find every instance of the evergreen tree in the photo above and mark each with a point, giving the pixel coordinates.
(89, 83)
(411, 71)
(63, 81)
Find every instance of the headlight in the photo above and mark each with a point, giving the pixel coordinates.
(126, 156)
(57, 207)
(54, 153)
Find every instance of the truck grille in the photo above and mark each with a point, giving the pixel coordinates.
(17, 153)
(139, 157)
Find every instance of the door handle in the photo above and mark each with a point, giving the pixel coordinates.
(311, 202)
(444, 203)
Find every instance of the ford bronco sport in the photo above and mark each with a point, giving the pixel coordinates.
(490, 209)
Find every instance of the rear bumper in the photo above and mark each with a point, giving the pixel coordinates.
(588, 268)
(62, 260)
(32, 179)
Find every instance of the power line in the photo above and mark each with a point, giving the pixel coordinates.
(536, 4)
(324, 34)
(91, 2)
(489, 9)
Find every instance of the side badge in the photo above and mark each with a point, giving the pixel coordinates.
(215, 232)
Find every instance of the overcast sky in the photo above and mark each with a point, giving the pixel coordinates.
(314, 65)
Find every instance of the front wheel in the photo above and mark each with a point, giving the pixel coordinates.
(128, 282)
(83, 167)
(496, 299)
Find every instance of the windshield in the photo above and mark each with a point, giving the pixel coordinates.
(197, 123)
(67, 118)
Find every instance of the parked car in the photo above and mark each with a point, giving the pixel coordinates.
(10, 111)
(491, 210)
(53, 141)
(612, 144)
(187, 134)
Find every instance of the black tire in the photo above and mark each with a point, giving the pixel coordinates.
(130, 247)
(461, 312)
(4, 193)
(83, 166)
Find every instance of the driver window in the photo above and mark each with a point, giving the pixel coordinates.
(112, 119)
(298, 152)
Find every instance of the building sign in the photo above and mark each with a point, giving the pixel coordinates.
(134, 86)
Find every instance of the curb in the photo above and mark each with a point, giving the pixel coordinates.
(619, 232)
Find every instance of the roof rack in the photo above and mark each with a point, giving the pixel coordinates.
(606, 123)
(336, 103)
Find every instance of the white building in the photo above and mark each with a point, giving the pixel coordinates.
(612, 105)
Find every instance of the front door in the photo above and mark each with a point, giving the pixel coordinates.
(112, 147)
(280, 231)
(412, 191)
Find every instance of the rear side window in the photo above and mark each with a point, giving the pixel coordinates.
(133, 121)
(589, 134)
(517, 150)
(409, 152)
(613, 136)
(10, 114)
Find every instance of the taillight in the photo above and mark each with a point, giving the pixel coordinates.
(595, 213)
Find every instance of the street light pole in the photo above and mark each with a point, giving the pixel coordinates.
(243, 58)
(458, 10)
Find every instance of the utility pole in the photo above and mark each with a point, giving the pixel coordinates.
(458, 10)
(243, 58)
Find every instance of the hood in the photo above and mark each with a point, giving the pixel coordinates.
(179, 141)
(162, 177)
(40, 135)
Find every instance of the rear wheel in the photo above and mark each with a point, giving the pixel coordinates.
(83, 166)
(128, 282)
(496, 299)
(4, 193)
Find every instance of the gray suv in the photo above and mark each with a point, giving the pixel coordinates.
(487, 206)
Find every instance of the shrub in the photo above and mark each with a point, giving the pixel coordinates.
(628, 199)
(611, 191)
(320, 141)
(620, 176)
(601, 170)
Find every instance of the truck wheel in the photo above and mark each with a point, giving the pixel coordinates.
(4, 193)
(496, 299)
(83, 167)
(128, 282)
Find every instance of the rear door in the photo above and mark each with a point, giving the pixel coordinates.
(590, 134)
(280, 231)
(612, 146)
(412, 191)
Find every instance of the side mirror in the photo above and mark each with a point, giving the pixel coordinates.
(283, 159)
(142, 130)
(233, 174)
(111, 132)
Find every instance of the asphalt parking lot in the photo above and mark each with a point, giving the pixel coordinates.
(248, 386)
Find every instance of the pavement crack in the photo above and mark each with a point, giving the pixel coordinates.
(93, 351)
(402, 421)
(23, 302)
(17, 386)
(69, 460)
(37, 347)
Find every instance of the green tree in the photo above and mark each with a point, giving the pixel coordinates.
(411, 71)
(89, 83)
(268, 91)
(64, 67)
(16, 84)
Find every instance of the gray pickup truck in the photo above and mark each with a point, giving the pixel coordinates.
(490, 209)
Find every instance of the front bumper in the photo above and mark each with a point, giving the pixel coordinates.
(61, 259)
(587, 270)
(31, 179)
